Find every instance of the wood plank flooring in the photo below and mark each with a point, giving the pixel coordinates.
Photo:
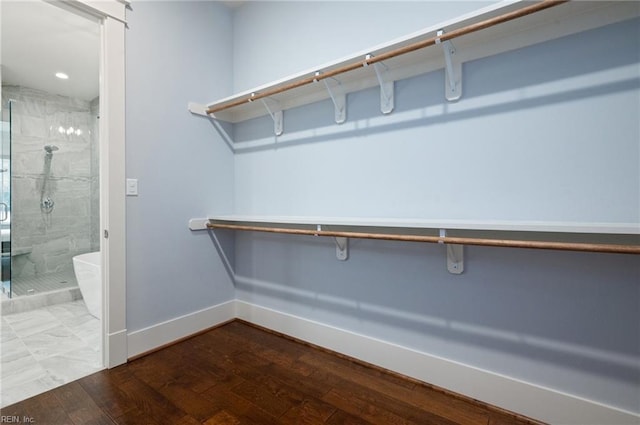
(240, 374)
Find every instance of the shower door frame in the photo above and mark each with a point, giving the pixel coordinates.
(5, 210)
(111, 17)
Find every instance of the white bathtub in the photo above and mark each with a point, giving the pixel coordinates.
(88, 270)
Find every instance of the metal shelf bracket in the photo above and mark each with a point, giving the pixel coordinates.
(453, 68)
(455, 258)
(455, 255)
(339, 99)
(276, 114)
(386, 87)
(342, 248)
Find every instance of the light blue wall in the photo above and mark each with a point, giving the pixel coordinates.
(565, 113)
(177, 52)
(299, 35)
(529, 141)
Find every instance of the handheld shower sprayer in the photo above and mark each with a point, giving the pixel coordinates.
(46, 203)
(50, 149)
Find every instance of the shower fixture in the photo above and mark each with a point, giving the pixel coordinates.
(50, 149)
(46, 203)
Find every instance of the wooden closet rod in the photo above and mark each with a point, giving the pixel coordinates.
(545, 4)
(562, 246)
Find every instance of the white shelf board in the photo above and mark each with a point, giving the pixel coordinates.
(415, 223)
(552, 23)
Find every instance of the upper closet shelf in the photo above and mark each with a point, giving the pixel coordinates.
(495, 29)
(417, 223)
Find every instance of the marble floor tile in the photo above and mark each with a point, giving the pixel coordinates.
(79, 320)
(25, 389)
(13, 349)
(70, 310)
(52, 342)
(45, 348)
(89, 332)
(29, 371)
(6, 332)
(31, 322)
(73, 365)
(11, 346)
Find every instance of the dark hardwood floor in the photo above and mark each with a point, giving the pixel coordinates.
(240, 374)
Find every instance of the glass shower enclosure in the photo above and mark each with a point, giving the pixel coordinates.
(5, 201)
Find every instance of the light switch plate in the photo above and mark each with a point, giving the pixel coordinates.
(132, 187)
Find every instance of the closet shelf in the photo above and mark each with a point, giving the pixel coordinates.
(495, 29)
(589, 237)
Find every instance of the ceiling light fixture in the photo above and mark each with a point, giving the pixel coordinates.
(62, 75)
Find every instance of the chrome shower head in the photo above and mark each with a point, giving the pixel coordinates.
(50, 148)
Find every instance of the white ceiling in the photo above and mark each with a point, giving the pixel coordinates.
(40, 39)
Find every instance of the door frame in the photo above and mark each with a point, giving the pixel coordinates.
(111, 15)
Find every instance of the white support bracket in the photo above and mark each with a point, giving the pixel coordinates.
(342, 245)
(455, 258)
(198, 224)
(387, 102)
(198, 109)
(453, 68)
(275, 112)
(455, 255)
(342, 248)
(339, 98)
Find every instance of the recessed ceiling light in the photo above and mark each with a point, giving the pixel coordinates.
(62, 75)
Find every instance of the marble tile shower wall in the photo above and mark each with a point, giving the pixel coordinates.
(45, 242)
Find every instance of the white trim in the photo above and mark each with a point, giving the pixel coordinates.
(115, 346)
(518, 396)
(112, 185)
(161, 334)
(112, 199)
(114, 9)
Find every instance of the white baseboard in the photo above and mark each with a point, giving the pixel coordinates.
(525, 398)
(161, 334)
(531, 400)
(115, 350)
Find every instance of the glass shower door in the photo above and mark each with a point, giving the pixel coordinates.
(5, 201)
